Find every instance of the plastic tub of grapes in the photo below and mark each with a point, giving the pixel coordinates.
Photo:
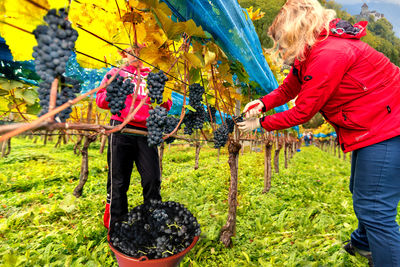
(154, 234)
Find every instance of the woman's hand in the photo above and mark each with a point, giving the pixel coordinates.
(249, 125)
(253, 108)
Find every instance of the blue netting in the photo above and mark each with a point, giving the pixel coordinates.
(5, 53)
(225, 20)
(321, 135)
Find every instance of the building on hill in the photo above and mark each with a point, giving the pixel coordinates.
(366, 14)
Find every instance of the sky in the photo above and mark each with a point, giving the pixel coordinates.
(391, 9)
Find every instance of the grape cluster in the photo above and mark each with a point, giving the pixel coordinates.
(155, 85)
(69, 87)
(212, 110)
(117, 91)
(55, 43)
(221, 136)
(169, 126)
(222, 133)
(196, 92)
(155, 125)
(195, 119)
(155, 229)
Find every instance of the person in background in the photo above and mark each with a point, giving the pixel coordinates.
(357, 90)
(306, 139)
(125, 149)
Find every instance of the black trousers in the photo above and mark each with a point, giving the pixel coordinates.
(123, 150)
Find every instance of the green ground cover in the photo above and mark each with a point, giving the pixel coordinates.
(302, 221)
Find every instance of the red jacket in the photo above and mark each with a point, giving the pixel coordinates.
(356, 89)
(142, 114)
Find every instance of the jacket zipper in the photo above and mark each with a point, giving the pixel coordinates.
(360, 84)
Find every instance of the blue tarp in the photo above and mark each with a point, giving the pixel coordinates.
(321, 135)
(226, 21)
(5, 53)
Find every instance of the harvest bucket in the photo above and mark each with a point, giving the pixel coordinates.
(172, 261)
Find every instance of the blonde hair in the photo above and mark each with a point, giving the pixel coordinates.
(297, 26)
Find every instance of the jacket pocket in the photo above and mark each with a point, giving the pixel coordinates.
(358, 83)
(349, 121)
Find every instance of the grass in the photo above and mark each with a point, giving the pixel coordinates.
(302, 221)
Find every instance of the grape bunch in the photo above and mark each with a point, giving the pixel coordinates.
(194, 120)
(222, 133)
(170, 125)
(212, 110)
(56, 40)
(155, 229)
(117, 91)
(155, 125)
(221, 136)
(68, 88)
(155, 85)
(196, 92)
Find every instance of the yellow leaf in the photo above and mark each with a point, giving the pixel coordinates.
(191, 29)
(193, 60)
(149, 54)
(256, 15)
(171, 28)
(209, 58)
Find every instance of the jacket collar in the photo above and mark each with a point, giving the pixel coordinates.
(339, 28)
(343, 29)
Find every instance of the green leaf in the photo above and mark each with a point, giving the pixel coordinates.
(33, 109)
(189, 107)
(246, 256)
(3, 92)
(194, 75)
(19, 93)
(9, 84)
(30, 96)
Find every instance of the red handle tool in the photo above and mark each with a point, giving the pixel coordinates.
(250, 108)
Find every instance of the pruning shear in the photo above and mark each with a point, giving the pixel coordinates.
(250, 108)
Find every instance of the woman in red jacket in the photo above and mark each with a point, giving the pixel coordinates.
(357, 90)
(124, 149)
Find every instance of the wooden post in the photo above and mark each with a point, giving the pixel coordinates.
(267, 163)
(278, 147)
(286, 147)
(84, 165)
(229, 229)
(102, 143)
(5, 148)
(77, 146)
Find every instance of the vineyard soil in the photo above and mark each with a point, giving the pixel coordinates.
(302, 221)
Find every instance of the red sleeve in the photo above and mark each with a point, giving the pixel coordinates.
(324, 73)
(284, 93)
(167, 105)
(101, 94)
